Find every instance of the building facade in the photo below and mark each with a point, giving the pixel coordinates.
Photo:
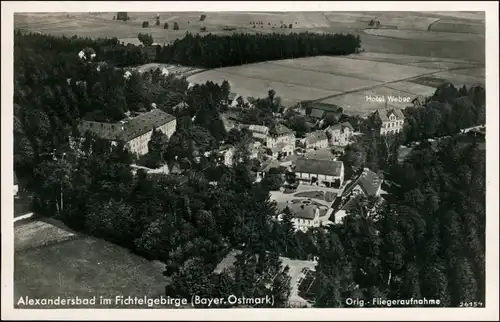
(135, 132)
(340, 134)
(281, 141)
(323, 173)
(392, 121)
(316, 140)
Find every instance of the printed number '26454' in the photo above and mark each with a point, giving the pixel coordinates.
(471, 304)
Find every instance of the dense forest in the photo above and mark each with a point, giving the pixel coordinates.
(426, 240)
(213, 51)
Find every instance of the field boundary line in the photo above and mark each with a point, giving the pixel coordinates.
(432, 23)
(372, 87)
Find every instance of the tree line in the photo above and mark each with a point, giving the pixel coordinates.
(213, 51)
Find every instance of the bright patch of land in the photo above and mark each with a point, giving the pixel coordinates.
(347, 81)
(52, 261)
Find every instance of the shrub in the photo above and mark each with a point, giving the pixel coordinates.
(145, 24)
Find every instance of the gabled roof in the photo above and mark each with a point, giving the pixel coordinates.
(259, 129)
(368, 181)
(384, 114)
(316, 136)
(280, 130)
(298, 209)
(324, 167)
(340, 126)
(129, 129)
(317, 113)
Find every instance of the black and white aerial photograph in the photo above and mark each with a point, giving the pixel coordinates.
(249, 159)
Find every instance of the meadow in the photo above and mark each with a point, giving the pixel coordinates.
(345, 81)
(410, 54)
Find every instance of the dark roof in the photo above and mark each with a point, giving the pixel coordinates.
(324, 107)
(129, 129)
(341, 126)
(279, 130)
(317, 113)
(316, 136)
(299, 210)
(385, 113)
(368, 180)
(325, 167)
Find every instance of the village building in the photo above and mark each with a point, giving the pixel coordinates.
(304, 213)
(87, 53)
(323, 173)
(182, 106)
(260, 132)
(255, 149)
(340, 134)
(320, 111)
(316, 140)
(226, 154)
(299, 272)
(368, 183)
(392, 120)
(281, 141)
(135, 132)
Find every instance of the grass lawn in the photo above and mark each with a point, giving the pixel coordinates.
(85, 267)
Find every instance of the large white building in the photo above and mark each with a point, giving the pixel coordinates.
(392, 120)
(324, 173)
(135, 132)
(281, 141)
(304, 213)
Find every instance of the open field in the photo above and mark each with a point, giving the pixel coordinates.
(424, 35)
(257, 87)
(345, 81)
(82, 266)
(458, 26)
(225, 23)
(412, 88)
(361, 69)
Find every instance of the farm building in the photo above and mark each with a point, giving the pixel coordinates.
(320, 111)
(298, 270)
(324, 173)
(392, 120)
(136, 132)
(316, 140)
(340, 133)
